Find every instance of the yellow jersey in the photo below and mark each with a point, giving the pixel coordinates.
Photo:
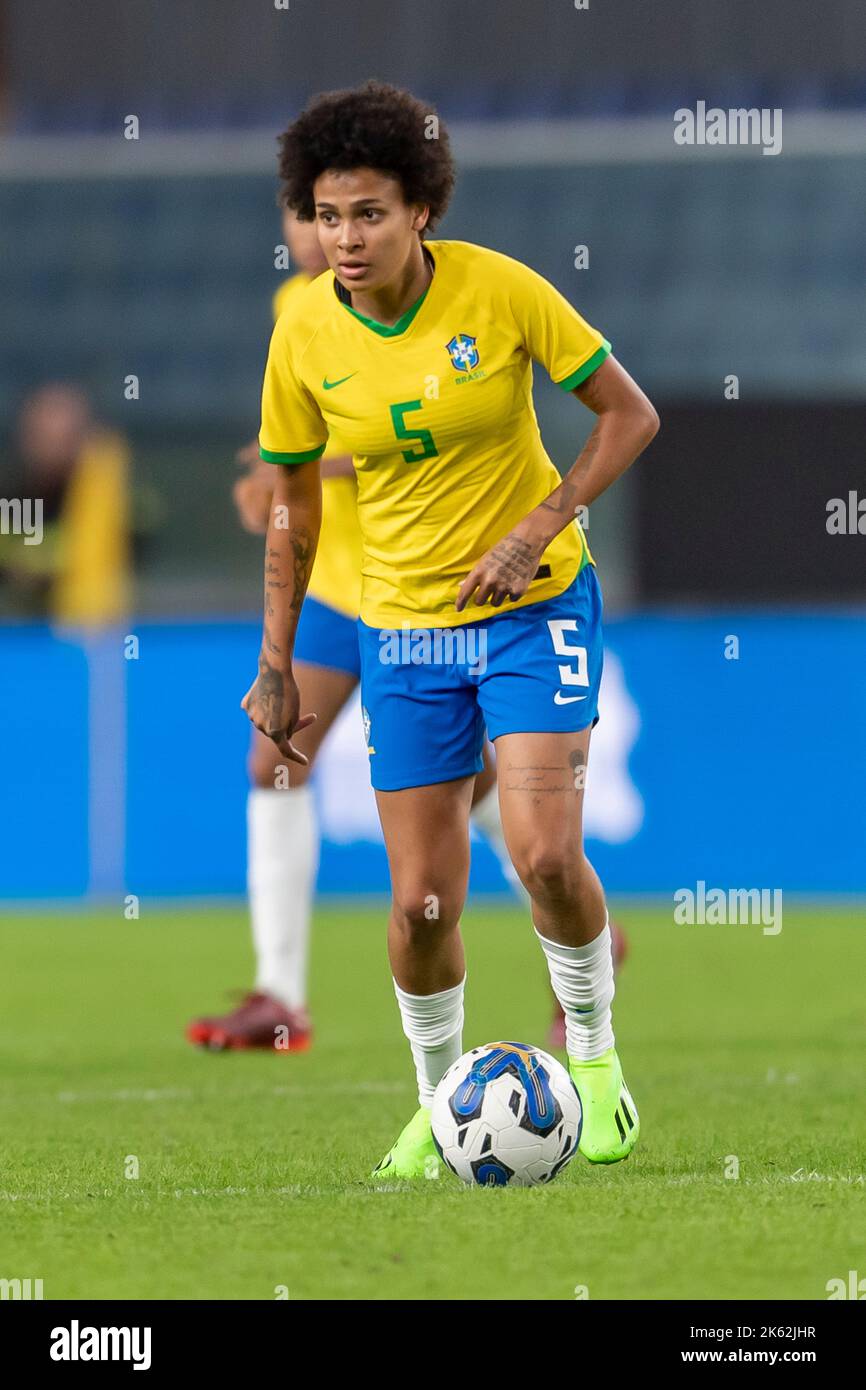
(83, 559)
(437, 412)
(336, 576)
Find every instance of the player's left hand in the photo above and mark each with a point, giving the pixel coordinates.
(248, 455)
(504, 572)
(252, 496)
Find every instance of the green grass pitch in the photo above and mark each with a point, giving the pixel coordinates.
(740, 1049)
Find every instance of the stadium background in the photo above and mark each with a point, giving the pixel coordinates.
(155, 257)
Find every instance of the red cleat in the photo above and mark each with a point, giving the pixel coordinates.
(619, 945)
(556, 1032)
(619, 951)
(259, 1021)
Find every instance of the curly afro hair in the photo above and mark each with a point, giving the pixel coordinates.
(374, 126)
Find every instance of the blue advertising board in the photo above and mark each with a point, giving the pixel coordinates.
(731, 750)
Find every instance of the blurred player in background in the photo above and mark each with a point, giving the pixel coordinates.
(77, 471)
(485, 519)
(282, 834)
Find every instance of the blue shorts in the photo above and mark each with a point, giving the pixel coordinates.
(428, 694)
(327, 638)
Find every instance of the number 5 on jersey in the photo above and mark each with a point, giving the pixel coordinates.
(422, 437)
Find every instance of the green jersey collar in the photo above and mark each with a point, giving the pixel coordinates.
(386, 330)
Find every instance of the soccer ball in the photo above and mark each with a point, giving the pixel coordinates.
(506, 1114)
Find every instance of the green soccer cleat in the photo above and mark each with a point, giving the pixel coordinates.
(414, 1154)
(611, 1126)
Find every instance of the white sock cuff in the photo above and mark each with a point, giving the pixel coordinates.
(267, 797)
(583, 982)
(280, 824)
(430, 1020)
(599, 946)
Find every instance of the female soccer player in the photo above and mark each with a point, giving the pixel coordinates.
(480, 604)
(282, 833)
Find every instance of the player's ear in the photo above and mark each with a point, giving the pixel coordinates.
(420, 217)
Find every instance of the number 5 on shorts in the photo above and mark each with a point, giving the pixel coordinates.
(567, 674)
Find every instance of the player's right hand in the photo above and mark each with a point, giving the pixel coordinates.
(272, 703)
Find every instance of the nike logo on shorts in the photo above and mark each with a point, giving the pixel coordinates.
(560, 699)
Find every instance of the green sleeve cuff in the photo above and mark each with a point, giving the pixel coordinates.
(309, 457)
(577, 378)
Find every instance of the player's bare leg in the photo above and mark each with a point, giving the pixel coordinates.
(283, 856)
(541, 798)
(487, 819)
(485, 780)
(541, 790)
(426, 833)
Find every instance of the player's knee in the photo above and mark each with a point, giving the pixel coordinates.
(421, 914)
(261, 770)
(268, 768)
(551, 872)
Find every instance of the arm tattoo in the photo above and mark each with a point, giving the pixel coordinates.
(303, 551)
(565, 499)
(561, 500)
(302, 563)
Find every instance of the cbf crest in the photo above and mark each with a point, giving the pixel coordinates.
(463, 352)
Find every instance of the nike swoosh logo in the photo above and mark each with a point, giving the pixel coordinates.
(560, 699)
(329, 385)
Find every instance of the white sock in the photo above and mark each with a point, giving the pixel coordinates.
(282, 858)
(486, 817)
(433, 1023)
(582, 980)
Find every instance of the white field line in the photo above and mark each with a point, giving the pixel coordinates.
(357, 1188)
(169, 1093)
(360, 1188)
